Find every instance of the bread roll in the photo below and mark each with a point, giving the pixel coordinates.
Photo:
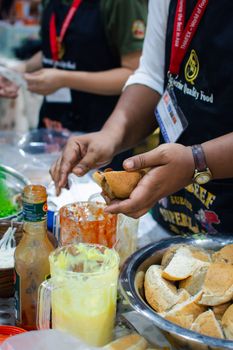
(200, 254)
(218, 284)
(224, 255)
(207, 324)
(169, 254)
(182, 265)
(219, 310)
(183, 295)
(185, 313)
(197, 253)
(160, 294)
(118, 184)
(184, 321)
(130, 342)
(194, 283)
(227, 323)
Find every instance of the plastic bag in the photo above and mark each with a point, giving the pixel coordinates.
(44, 340)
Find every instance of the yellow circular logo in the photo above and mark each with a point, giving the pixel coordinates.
(192, 67)
(138, 29)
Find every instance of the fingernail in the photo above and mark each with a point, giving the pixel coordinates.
(129, 164)
(79, 171)
(108, 210)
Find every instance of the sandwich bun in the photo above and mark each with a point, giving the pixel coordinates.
(160, 294)
(207, 324)
(224, 255)
(227, 322)
(219, 310)
(129, 342)
(218, 284)
(117, 184)
(182, 265)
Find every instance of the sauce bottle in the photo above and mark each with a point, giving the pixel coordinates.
(31, 255)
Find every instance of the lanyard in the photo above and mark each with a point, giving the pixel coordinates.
(56, 41)
(182, 37)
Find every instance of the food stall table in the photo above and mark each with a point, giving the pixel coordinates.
(35, 167)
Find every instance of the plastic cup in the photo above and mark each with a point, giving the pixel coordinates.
(82, 292)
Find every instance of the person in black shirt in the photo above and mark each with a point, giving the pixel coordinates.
(190, 178)
(85, 61)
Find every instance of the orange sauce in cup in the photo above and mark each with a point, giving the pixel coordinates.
(88, 223)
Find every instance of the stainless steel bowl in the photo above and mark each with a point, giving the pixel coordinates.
(131, 286)
(14, 182)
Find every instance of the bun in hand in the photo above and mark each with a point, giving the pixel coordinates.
(117, 184)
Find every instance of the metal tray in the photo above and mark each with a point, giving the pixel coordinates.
(131, 286)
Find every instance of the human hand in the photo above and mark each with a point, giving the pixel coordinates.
(81, 154)
(172, 168)
(7, 88)
(45, 81)
(20, 67)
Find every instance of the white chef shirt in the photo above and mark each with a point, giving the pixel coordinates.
(151, 68)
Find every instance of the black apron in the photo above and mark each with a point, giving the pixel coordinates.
(86, 49)
(207, 104)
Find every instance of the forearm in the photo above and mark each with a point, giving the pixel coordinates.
(133, 118)
(31, 65)
(109, 82)
(219, 156)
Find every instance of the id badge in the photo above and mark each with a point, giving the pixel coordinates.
(170, 117)
(62, 95)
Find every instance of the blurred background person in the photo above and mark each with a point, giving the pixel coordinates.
(89, 49)
(7, 10)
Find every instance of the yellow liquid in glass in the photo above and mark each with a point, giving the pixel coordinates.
(85, 306)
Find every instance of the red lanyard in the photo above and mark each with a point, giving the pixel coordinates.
(182, 37)
(55, 40)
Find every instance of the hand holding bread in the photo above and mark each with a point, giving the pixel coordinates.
(117, 184)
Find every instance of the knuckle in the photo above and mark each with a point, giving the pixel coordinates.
(141, 161)
(135, 215)
(164, 153)
(84, 164)
(71, 140)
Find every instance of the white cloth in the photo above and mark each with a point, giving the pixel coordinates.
(151, 68)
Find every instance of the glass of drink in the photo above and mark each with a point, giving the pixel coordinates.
(82, 292)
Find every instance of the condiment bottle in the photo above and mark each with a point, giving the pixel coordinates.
(31, 255)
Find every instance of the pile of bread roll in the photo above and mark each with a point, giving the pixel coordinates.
(193, 288)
